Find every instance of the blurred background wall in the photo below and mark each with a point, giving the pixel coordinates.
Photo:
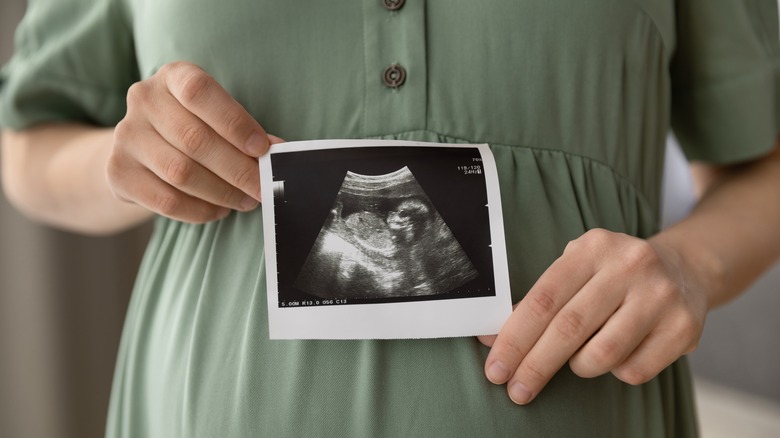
(62, 305)
(63, 299)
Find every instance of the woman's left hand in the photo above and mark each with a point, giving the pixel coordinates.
(610, 303)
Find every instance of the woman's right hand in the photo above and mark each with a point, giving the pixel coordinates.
(186, 149)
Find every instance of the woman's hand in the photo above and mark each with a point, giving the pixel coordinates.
(186, 149)
(610, 303)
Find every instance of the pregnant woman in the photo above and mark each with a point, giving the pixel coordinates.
(119, 110)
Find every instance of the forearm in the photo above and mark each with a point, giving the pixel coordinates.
(55, 174)
(733, 234)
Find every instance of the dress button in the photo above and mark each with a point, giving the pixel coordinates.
(394, 76)
(394, 5)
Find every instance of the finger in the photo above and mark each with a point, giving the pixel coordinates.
(184, 174)
(533, 314)
(197, 140)
(650, 358)
(571, 327)
(616, 340)
(487, 340)
(204, 97)
(275, 140)
(161, 198)
(672, 338)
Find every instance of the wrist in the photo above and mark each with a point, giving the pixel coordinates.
(699, 267)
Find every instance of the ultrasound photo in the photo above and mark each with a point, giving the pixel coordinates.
(375, 239)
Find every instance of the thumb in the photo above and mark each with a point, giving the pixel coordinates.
(274, 139)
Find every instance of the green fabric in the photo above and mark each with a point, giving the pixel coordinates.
(725, 93)
(73, 60)
(575, 99)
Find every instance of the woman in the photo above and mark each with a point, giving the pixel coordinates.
(116, 110)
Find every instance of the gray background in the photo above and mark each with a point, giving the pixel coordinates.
(62, 305)
(63, 299)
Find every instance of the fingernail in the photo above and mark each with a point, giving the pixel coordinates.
(256, 144)
(519, 393)
(248, 203)
(498, 373)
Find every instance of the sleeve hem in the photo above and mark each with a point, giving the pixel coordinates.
(23, 107)
(730, 121)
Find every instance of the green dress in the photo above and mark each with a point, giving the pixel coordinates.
(575, 99)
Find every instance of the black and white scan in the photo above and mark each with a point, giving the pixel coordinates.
(374, 225)
(384, 238)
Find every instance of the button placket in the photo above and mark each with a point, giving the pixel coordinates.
(395, 74)
(395, 60)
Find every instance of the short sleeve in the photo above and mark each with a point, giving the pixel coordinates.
(73, 61)
(725, 80)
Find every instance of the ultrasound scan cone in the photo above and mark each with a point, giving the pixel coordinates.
(384, 238)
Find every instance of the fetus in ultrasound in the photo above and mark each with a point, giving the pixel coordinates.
(384, 238)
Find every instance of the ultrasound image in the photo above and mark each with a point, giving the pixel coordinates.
(384, 238)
